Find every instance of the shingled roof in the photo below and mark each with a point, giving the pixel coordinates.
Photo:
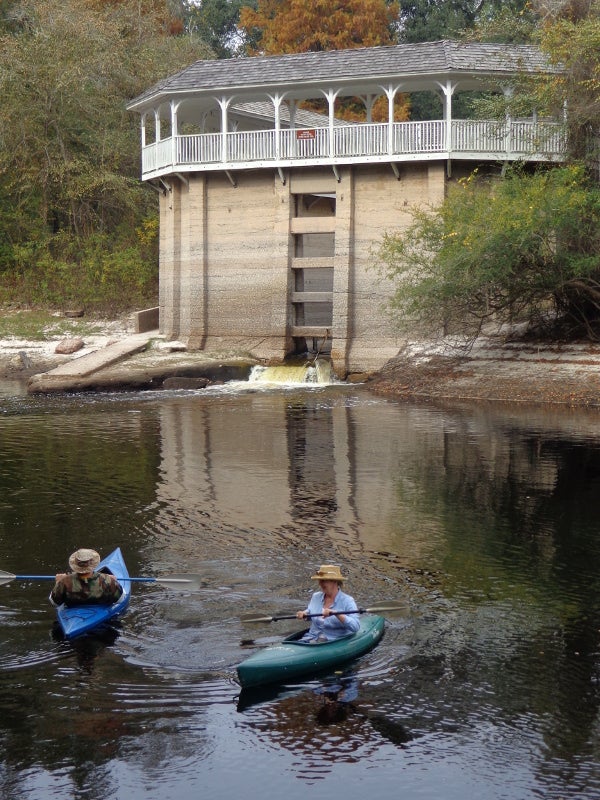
(443, 58)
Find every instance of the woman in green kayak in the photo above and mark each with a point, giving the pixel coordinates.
(331, 605)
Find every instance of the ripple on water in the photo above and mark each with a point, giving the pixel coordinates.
(32, 659)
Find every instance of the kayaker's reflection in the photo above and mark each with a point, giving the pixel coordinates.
(338, 699)
(89, 647)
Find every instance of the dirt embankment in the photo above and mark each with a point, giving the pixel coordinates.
(516, 372)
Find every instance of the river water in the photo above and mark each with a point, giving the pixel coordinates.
(480, 521)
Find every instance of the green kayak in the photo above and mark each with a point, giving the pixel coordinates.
(294, 659)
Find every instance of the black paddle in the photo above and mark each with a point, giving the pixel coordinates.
(370, 610)
(170, 581)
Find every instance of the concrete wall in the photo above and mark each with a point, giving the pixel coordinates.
(380, 203)
(227, 253)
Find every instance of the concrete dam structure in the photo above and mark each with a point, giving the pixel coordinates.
(270, 214)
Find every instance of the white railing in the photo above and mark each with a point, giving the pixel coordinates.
(474, 136)
(488, 140)
(157, 156)
(307, 144)
(420, 137)
(517, 139)
(537, 137)
(246, 146)
(205, 149)
(361, 140)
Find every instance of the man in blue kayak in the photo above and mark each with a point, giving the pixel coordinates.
(84, 585)
(330, 605)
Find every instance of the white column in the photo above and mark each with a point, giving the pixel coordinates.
(174, 132)
(369, 101)
(224, 103)
(390, 93)
(448, 90)
(277, 99)
(331, 96)
(292, 105)
(508, 92)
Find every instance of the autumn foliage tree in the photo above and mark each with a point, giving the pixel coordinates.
(279, 27)
(298, 26)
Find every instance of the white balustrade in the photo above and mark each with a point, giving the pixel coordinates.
(471, 138)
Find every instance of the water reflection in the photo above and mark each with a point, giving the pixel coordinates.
(322, 724)
(87, 649)
(481, 520)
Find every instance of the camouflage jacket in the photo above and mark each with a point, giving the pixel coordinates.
(73, 590)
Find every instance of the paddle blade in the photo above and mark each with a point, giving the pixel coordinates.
(6, 577)
(379, 609)
(185, 582)
(250, 618)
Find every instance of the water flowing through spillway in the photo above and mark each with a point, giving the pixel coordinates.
(316, 372)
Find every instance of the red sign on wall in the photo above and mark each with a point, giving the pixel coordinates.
(306, 134)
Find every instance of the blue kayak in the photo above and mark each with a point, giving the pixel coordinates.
(295, 659)
(77, 620)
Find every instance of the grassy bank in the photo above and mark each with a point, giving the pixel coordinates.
(41, 325)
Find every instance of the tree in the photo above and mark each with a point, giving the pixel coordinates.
(166, 18)
(485, 20)
(70, 159)
(506, 249)
(216, 22)
(527, 246)
(69, 152)
(572, 39)
(298, 26)
(431, 20)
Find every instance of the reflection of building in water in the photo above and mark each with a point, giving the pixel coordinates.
(363, 476)
(312, 464)
(265, 462)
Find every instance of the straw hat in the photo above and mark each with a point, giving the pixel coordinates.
(328, 572)
(83, 560)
